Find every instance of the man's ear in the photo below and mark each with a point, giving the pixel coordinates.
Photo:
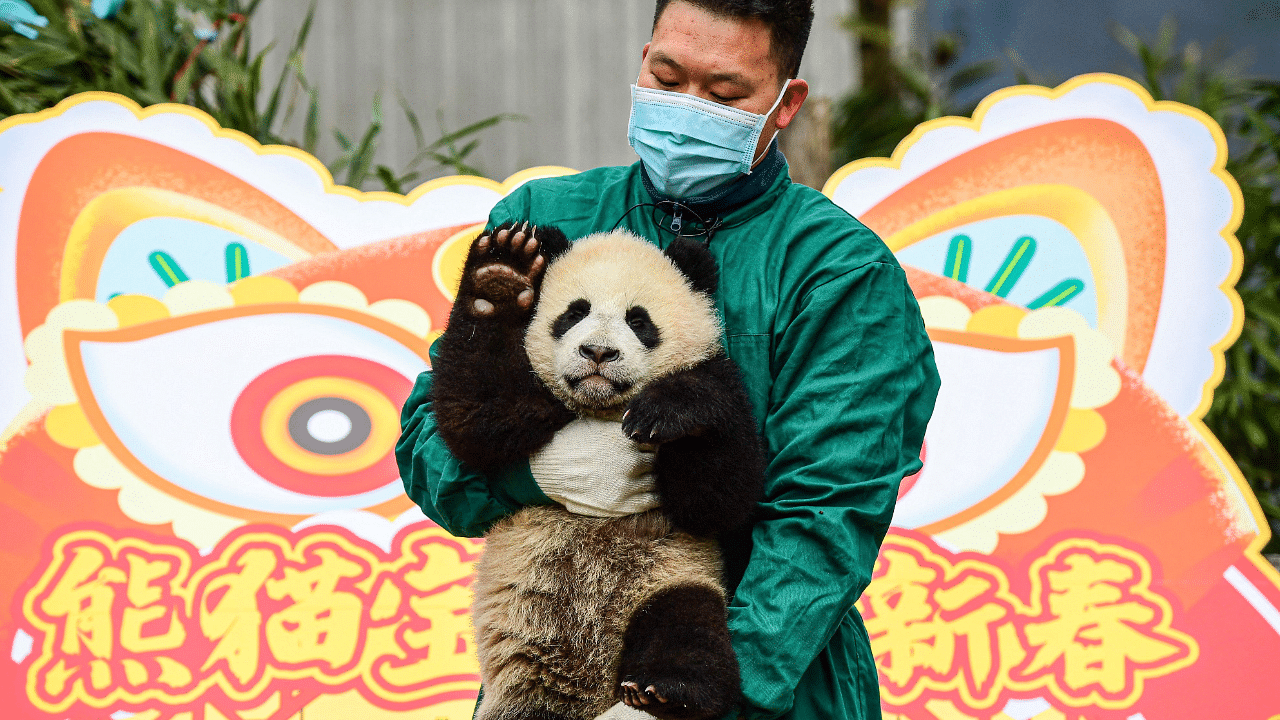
(644, 53)
(797, 92)
(694, 260)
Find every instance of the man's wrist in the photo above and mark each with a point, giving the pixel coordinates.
(515, 487)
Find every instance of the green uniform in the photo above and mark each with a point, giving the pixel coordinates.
(819, 316)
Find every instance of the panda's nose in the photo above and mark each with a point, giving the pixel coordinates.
(598, 354)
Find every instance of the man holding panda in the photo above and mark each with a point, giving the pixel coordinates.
(817, 314)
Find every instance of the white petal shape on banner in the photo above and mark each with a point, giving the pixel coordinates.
(1198, 309)
(966, 463)
(299, 182)
(169, 399)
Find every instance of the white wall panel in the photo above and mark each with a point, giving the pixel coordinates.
(564, 64)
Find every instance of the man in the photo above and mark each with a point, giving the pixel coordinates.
(818, 315)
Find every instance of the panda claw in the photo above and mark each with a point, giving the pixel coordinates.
(505, 267)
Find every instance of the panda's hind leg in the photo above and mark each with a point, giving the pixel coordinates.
(677, 661)
(520, 713)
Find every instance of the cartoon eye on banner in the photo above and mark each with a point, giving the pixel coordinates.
(324, 424)
(205, 345)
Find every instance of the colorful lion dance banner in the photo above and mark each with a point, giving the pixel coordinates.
(204, 345)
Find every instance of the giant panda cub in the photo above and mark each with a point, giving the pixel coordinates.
(574, 614)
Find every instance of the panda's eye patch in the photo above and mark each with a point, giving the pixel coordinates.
(642, 325)
(572, 315)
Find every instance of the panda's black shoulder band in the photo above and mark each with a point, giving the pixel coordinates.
(694, 260)
(552, 241)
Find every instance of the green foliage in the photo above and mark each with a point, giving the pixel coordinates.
(897, 94)
(199, 52)
(1245, 415)
(357, 158)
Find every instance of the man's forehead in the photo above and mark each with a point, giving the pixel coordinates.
(729, 48)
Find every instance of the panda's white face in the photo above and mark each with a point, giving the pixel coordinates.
(614, 313)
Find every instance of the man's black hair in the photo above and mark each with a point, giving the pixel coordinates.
(789, 22)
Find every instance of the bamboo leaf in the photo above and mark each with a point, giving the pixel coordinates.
(362, 159)
(474, 128)
(311, 128)
(419, 139)
(293, 62)
(389, 180)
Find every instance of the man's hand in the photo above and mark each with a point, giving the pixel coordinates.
(591, 468)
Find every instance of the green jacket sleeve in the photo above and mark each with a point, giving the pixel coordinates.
(459, 499)
(854, 383)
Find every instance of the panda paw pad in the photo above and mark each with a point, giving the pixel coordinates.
(505, 265)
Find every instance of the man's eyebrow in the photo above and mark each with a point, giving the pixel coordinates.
(730, 77)
(660, 57)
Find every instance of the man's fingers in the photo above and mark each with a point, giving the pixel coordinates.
(651, 690)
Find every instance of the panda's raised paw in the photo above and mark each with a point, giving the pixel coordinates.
(503, 270)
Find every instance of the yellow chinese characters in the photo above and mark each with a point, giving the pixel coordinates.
(122, 621)
(1090, 632)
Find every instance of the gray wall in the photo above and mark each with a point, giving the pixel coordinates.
(564, 64)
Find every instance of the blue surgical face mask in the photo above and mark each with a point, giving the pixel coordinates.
(690, 146)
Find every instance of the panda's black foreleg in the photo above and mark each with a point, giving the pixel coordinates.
(677, 661)
(709, 470)
(490, 407)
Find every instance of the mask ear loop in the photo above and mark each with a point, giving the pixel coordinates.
(785, 87)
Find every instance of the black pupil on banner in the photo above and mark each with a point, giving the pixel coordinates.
(321, 417)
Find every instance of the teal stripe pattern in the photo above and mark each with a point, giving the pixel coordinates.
(237, 262)
(1015, 263)
(1059, 294)
(167, 268)
(958, 254)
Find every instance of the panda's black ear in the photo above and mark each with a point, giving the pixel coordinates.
(694, 260)
(552, 241)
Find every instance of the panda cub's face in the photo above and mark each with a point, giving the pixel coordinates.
(614, 313)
